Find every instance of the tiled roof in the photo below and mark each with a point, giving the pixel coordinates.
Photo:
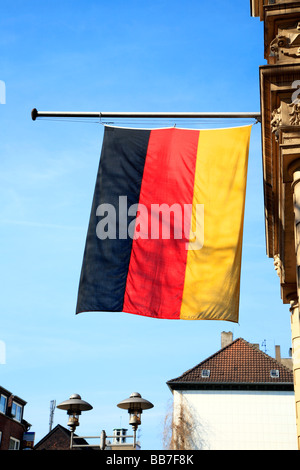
(239, 362)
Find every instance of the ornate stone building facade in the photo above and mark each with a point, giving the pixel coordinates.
(280, 109)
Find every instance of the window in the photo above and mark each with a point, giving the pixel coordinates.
(274, 373)
(3, 402)
(205, 373)
(14, 444)
(16, 411)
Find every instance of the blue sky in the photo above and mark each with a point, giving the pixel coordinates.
(112, 56)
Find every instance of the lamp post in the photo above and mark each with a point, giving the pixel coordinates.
(135, 405)
(74, 406)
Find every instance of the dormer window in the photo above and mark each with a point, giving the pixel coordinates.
(3, 403)
(274, 373)
(205, 373)
(16, 411)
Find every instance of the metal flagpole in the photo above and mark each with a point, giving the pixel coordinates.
(154, 115)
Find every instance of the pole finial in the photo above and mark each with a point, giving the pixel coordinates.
(34, 114)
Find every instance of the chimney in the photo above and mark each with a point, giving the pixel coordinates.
(119, 436)
(277, 353)
(226, 338)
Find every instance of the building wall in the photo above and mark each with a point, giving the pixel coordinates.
(10, 428)
(57, 440)
(241, 420)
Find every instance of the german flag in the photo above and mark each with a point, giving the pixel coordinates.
(166, 226)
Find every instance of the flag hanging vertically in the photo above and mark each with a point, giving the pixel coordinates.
(166, 226)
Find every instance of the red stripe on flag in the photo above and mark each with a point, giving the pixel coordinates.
(156, 272)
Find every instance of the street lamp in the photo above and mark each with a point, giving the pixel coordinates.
(74, 406)
(135, 405)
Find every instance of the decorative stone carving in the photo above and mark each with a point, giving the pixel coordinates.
(276, 121)
(278, 43)
(288, 114)
(294, 112)
(278, 265)
(286, 46)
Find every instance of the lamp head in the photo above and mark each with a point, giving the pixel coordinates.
(74, 406)
(135, 405)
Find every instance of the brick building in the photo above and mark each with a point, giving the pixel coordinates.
(58, 439)
(13, 428)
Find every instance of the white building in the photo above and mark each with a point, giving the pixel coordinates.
(237, 399)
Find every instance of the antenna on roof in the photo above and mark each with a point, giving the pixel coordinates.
(52, 409)
(264, 344)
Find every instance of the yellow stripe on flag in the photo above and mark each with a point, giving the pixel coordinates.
(212, 279)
